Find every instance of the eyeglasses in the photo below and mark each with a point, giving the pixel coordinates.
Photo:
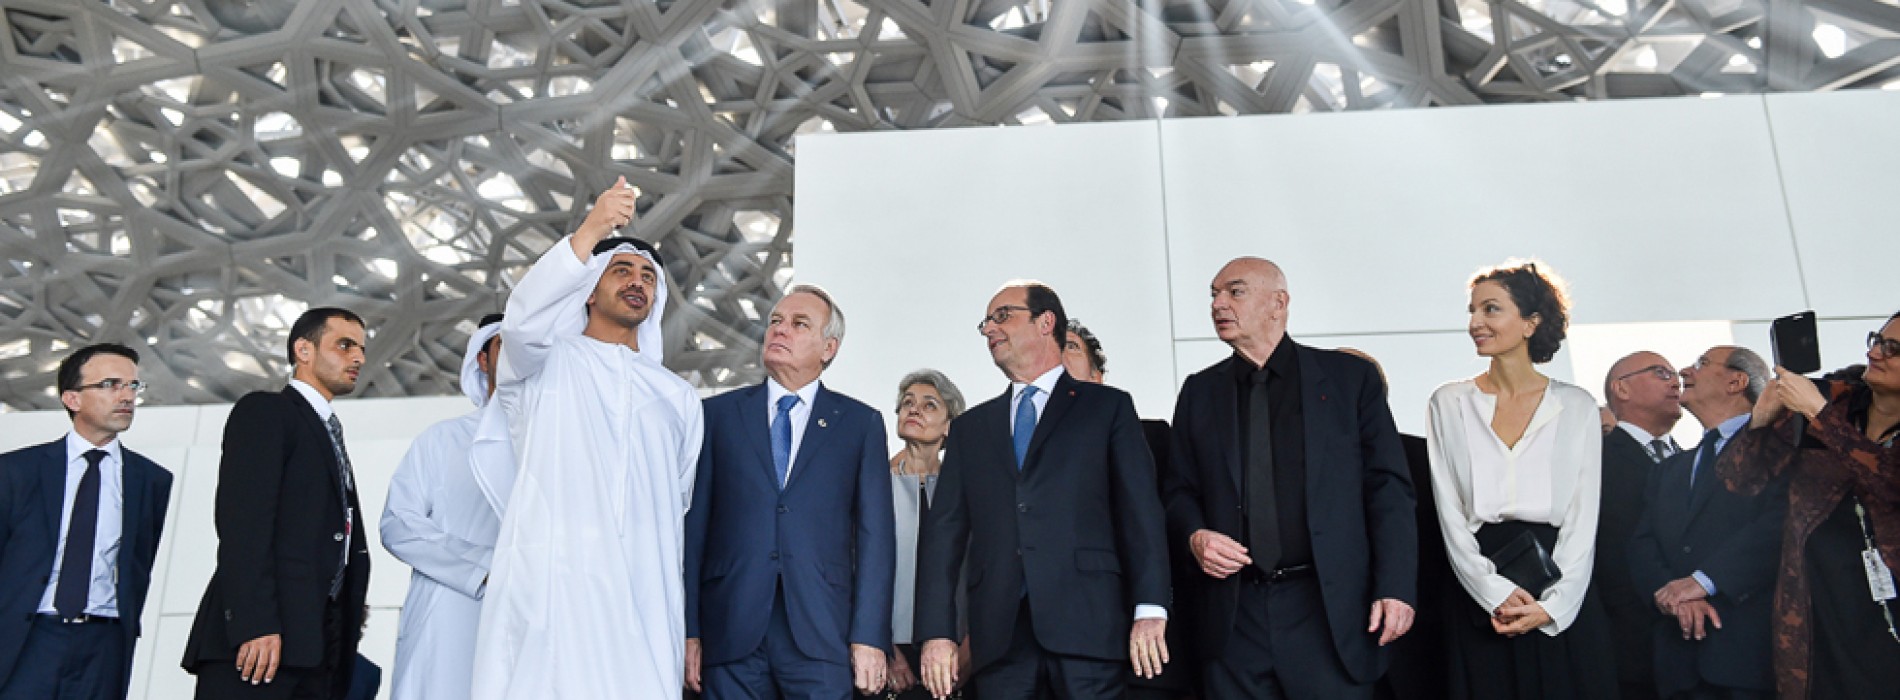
(1888, 347)
(1664, 373)
(999, 317)
(113, 385)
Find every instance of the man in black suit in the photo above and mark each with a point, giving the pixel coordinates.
(280, 616)
(1706, 556)
(79, 523)
(1052, 490)
(1645, 395)
(1289, 485)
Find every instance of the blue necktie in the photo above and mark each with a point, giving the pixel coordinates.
(1704, 454)
(782, 438)
(75, 568)
(1025, 424)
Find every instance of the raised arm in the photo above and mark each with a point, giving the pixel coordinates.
(535, 316)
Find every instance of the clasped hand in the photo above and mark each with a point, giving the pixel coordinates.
(1519, 614)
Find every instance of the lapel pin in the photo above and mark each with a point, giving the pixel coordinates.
(821, 422)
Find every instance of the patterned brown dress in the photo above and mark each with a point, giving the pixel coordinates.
(1840, 461)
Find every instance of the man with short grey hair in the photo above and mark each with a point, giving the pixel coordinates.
(1706, 556)
(790, 541)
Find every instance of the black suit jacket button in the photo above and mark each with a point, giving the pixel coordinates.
(774, 556)
(227, 616)
(338, 537)
(1022, 507)
(783, 509)
(1685, 549)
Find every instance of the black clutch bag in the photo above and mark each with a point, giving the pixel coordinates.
(1526, 563)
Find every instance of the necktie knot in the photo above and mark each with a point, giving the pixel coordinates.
(1658, 449)
(94, 457)
(786, 403)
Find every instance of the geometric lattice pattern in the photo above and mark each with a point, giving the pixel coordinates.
(186, 176)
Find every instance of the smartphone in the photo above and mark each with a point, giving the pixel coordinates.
(1795, 344)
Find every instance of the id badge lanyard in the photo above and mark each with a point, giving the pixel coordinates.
(1879, 577)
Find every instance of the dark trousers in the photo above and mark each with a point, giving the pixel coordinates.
(329, 680)
(1280, 647)
(1028, 671)
(1716, 692)
(778, 669)
(83, 661)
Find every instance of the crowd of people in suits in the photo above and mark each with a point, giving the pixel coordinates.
(1277, 538)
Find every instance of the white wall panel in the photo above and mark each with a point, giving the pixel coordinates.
(1838, 153)
(1380, 217)
(913, 232)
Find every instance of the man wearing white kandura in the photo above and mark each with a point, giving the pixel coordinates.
(438, 522)
(588, 450)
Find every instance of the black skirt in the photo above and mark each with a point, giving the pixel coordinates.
(1574, 665)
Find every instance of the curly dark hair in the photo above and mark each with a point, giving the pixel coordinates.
(1539, 294)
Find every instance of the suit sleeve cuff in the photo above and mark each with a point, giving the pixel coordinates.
(1708, 586)
(1145, 611)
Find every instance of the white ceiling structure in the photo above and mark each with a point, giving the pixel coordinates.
(186, 176)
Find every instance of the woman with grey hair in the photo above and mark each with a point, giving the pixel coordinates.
(926, 402)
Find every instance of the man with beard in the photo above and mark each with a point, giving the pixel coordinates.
(588, 451)
(280, 616)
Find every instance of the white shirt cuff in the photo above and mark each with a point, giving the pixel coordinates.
(1145, 611)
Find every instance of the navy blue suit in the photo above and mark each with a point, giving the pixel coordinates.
(1060, 551)
(32, 498)
(1733, 539)
(825, 545)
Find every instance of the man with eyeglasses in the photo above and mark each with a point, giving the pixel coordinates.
(1706, 556)
(1050, 489)
(1645, 394)
(79, 524)
(281, 616)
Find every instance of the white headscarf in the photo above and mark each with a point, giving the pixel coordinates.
(649, 335)
(474, 380)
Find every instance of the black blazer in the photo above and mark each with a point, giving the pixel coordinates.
(1733, 539)
(32, 498)
(1627, 470)
(1079, 528)
(1360, 508)
(280, 519)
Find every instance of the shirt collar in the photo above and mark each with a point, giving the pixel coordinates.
(1045, 384)
(1280, 363)
(316, 400)
(1729, 427)
(774, 390)
(77, 446)
(1642, 436)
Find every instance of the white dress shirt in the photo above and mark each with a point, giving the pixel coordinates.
(1045, 385)
(1552, 475)
(102, 597)
(322, 405)
(1670, 448)
(799, 415)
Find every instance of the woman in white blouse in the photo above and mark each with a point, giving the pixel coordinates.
(1513, 452)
